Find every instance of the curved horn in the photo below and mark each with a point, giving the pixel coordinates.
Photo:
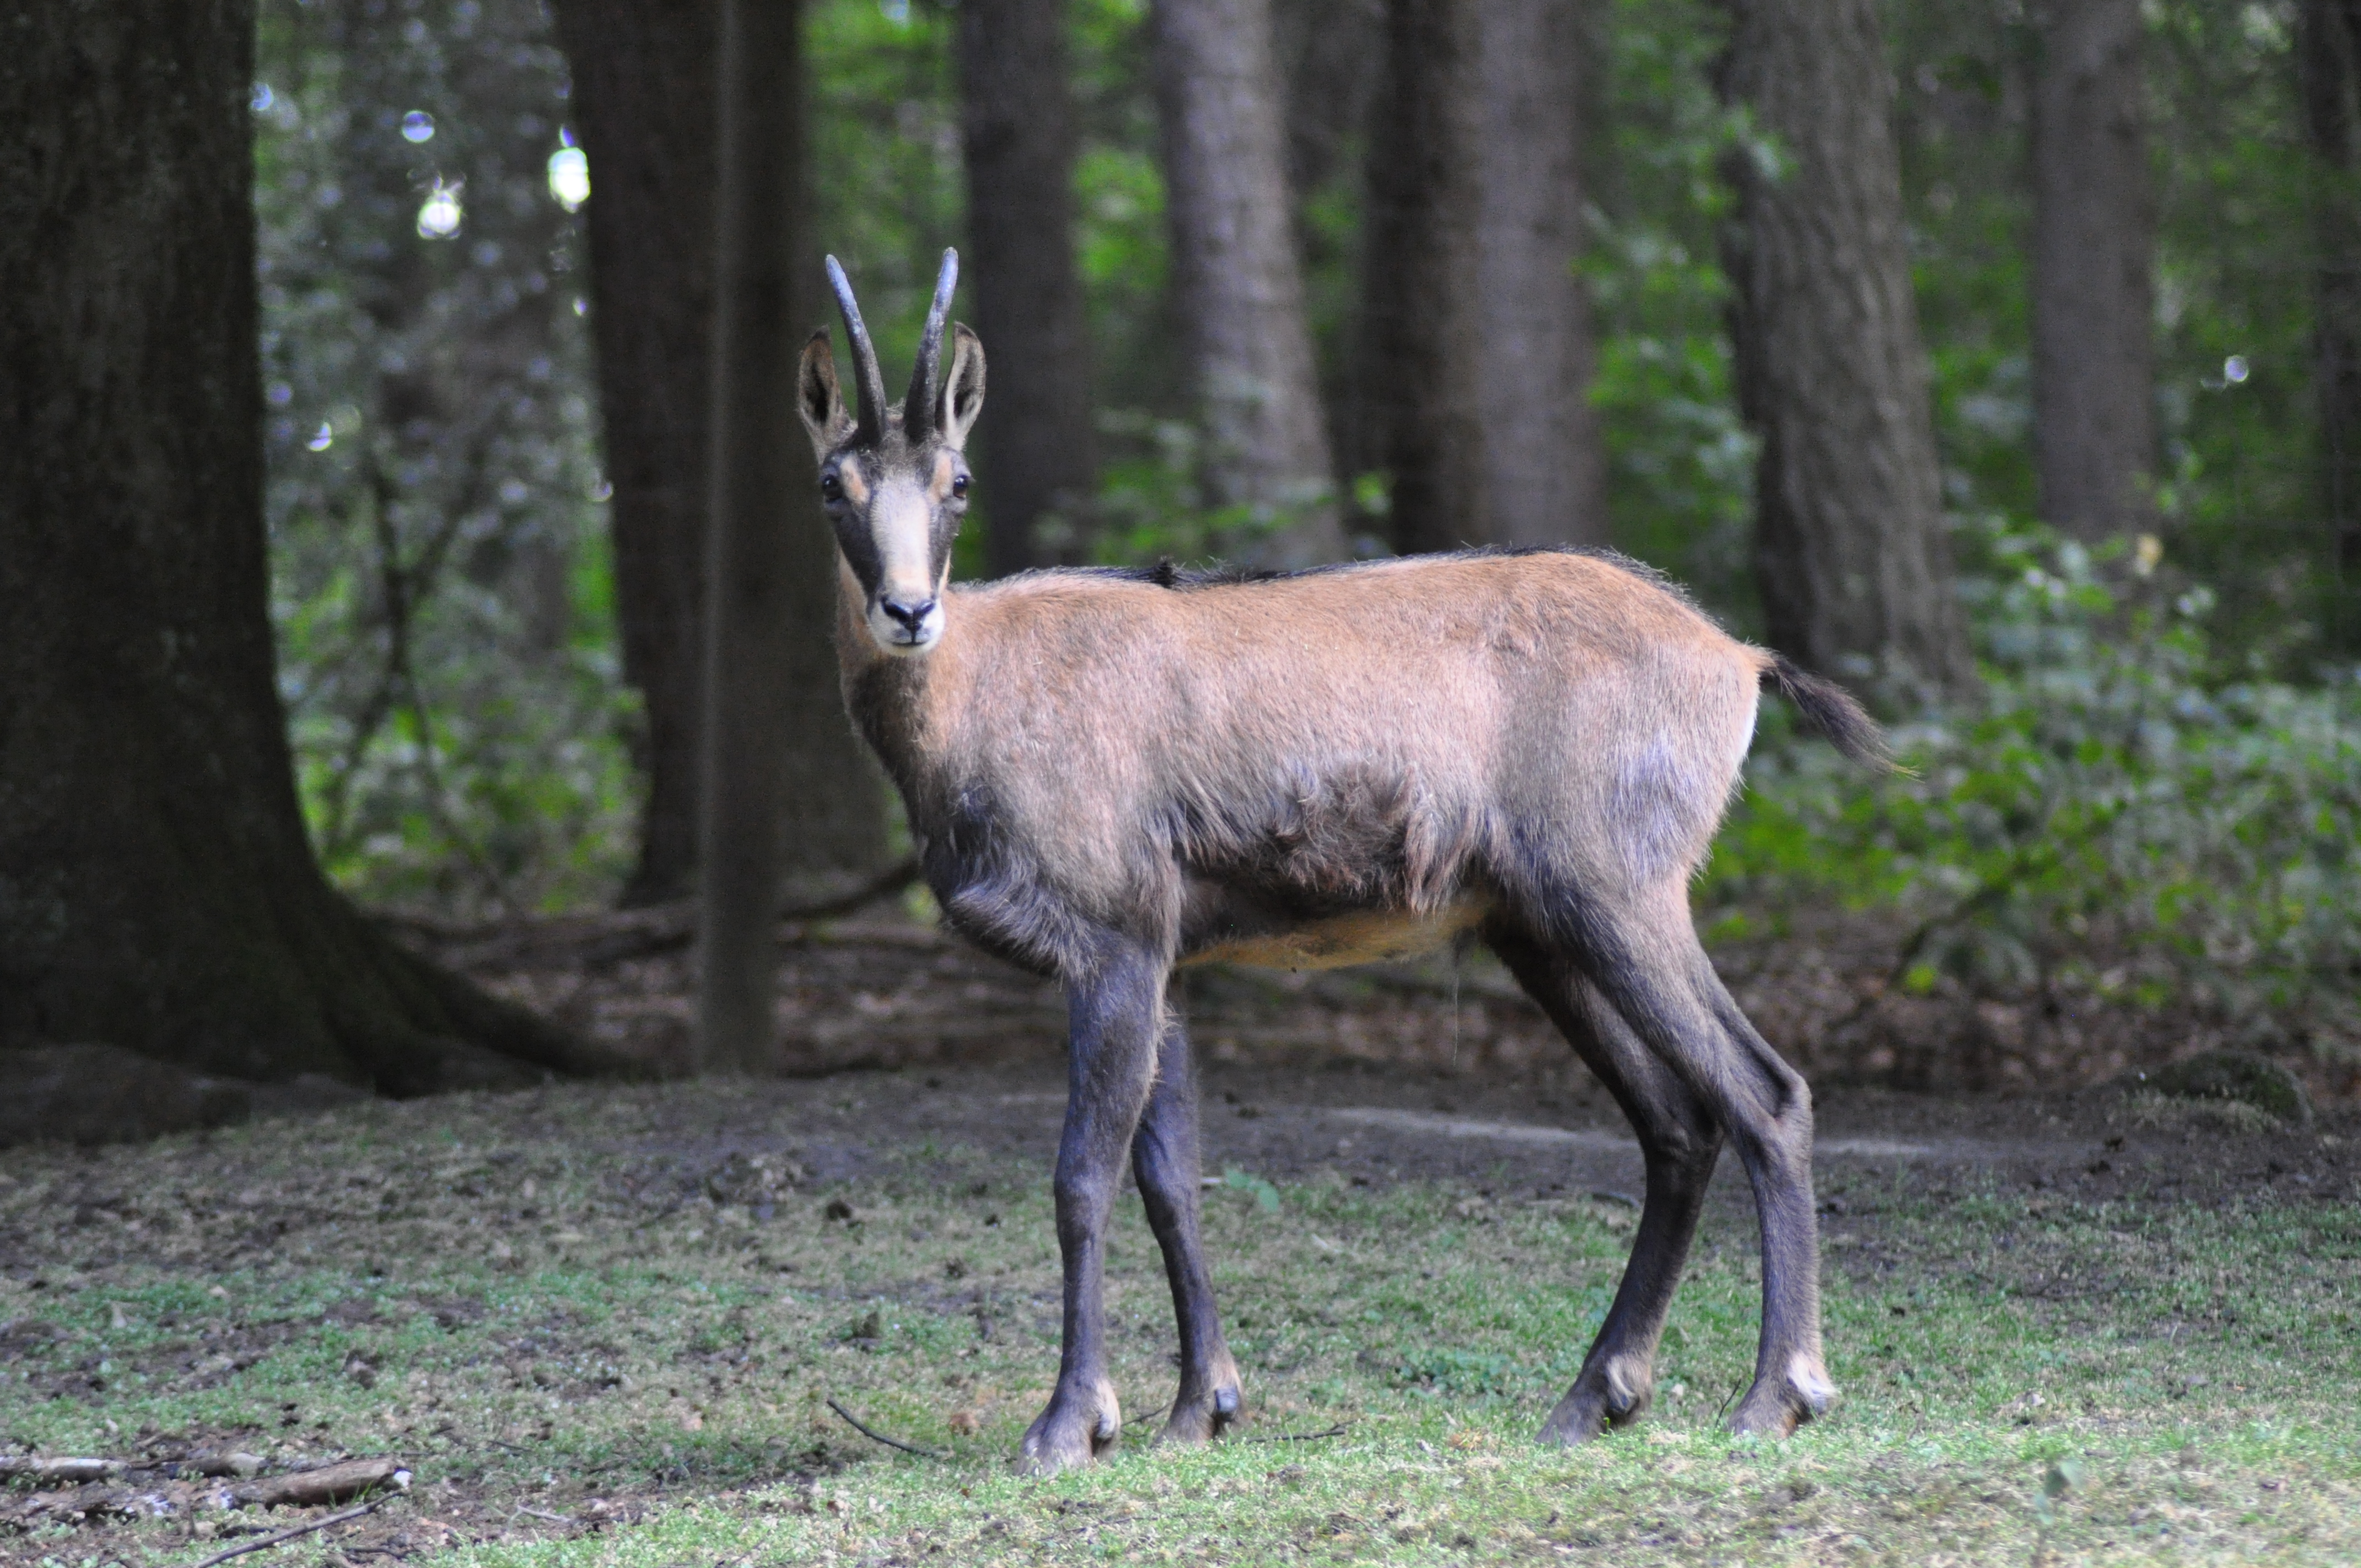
(920, 413)
(869, 423)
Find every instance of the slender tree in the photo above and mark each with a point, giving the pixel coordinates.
(789, 791)
(2329, 53)
(1332, 58)
(157, 891)
(1038, 455)
(643, 93)
(1425, 408)
(2093, 253)
(1239, 277)
(1481, 353)
(1850, 554)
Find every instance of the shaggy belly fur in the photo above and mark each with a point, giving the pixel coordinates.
(1366, 937)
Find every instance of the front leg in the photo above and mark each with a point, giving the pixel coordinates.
(1164, 1159)
(1116, 1011)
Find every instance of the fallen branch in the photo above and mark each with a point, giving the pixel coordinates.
(61, 1470)
(291, 1534)
(875, 1436)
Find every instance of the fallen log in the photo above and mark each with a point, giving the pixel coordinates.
(328, 1484)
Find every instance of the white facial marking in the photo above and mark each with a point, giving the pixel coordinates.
(901, 524)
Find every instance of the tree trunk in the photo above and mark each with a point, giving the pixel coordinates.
(789, 791)
(156, 888)
(1850, 554)
(1481, 347)
(644, 86)
(1545, 456)
(2329, 49)
(1332, 58)
(1239, 280)
(2094, 254)
(1040, 450)
(1420, 380)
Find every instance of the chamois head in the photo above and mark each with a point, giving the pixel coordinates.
(893, 480)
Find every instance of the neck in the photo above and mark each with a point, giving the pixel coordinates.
(882, 693)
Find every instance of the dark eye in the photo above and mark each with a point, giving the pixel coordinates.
(958, 487)
(830, 487)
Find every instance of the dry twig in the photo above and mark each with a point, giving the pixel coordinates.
(242, 1548)
(1297, 1436)
(875, 1436)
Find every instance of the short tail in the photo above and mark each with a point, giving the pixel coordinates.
(1830, 709)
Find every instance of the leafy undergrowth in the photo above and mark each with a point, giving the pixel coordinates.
(603, 1325)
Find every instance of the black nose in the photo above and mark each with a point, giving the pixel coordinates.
(908, 615)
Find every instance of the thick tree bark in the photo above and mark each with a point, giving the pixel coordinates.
(644, 91)
(789, 791)
(1239, 280)
(1480, 335)
(2329, 51)
(1545, 456)
(1850, 554)
(156, 888)
(1038, 457)
(2094, 257)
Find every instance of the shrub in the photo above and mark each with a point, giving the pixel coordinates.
(2124, 812)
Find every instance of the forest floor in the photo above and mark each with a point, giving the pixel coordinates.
(884, 989)
(602, 1324)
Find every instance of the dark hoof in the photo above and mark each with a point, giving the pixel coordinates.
(1200, 1419)
(1595, 1405)
(1070, 1434)
(1776, 1406)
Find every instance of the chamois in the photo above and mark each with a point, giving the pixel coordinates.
(1112, 774)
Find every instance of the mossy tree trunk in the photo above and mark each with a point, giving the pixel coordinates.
(157, 890)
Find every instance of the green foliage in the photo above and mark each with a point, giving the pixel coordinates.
(2128, 812)
(441, 587)
(1264, 1196)
(1681, 476)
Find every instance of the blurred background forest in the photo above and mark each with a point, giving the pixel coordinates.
(2147, 795)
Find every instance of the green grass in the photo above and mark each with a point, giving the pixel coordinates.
(537, 1302)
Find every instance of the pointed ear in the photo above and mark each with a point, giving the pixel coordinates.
(819, 400)
(963, 388)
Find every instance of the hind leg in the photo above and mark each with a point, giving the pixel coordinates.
(1642, 954)
(1164, 1159)
(1680, 1143)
